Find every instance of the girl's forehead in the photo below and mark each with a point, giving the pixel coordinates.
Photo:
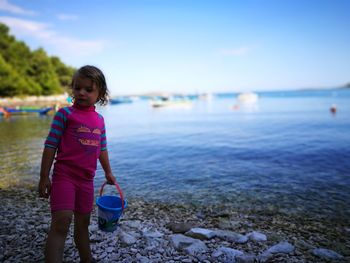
(85, 81)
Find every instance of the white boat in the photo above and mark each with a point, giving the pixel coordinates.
(171, 102)
(247, 97)
(206, 96)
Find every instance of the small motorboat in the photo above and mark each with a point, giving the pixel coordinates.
(247, 97)
(120, 100)
(173, 102)
(246, 101)
(27, 110)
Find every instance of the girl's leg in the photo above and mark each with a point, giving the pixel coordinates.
(81, 236)
(60, 223)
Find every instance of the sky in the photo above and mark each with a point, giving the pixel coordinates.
(192, 46)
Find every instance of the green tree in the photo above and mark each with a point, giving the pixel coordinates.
(63, 72)
(11, 84)
(43, 72)
(5, 39)
(26, 72)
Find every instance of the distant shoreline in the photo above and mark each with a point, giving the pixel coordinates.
(172, 93)
(47, 101)
(62, 99)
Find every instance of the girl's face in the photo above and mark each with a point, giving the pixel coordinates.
(85, 91)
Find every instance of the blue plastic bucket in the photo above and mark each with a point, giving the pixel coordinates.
(110, 210)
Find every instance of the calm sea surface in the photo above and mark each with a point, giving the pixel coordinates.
(287, 152)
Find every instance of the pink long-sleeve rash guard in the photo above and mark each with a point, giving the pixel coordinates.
(79, 135)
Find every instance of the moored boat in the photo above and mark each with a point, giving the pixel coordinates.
(176, 102)
(247, 97)
(26, 110)
(120, 100)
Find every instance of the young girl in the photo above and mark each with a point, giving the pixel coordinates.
(78, 137)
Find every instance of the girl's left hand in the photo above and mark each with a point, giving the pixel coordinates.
(110, 178)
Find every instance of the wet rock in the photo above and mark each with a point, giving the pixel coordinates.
(303, 245)
(189, 245)
(226, 254)
(245, 258)
(201, 233)
(282, 247)
(326, 254)
(127, 239)
(257, 237)
(231, 236)
(180, 228)
(152, 234)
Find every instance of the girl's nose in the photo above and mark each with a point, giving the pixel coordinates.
(81, 92)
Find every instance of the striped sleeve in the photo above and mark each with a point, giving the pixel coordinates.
(103, 134)
(103, 139)
(57, 127)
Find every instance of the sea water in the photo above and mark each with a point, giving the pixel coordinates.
(287, 152)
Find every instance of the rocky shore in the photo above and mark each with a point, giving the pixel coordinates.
(151, 232)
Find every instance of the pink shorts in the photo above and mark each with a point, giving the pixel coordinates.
(70, 194)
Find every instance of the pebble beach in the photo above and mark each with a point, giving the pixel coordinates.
(154, 232)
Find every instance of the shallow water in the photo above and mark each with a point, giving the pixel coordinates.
(287, 152)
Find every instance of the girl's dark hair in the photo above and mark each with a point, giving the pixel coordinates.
(96, 75)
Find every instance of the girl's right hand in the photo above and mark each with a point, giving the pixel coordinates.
(110, 178)
(44, 187)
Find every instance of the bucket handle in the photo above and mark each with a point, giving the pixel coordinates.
(118, 189)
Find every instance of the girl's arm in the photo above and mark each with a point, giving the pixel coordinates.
(104, 160)
(44, 187)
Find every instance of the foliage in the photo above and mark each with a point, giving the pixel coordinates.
(26, 72)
